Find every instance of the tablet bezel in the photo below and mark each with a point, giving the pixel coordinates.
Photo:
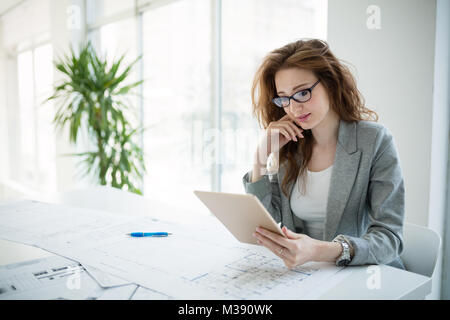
(239, 213)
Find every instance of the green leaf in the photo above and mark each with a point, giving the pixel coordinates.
(94, 95)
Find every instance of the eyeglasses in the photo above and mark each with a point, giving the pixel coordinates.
(300, 96)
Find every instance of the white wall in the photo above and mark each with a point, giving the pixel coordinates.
(4, 145)
(395, 73)
(440, 141)
(8, 114)
(6, 5)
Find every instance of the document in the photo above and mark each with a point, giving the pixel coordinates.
(124, 292)
(34, 223)
(53, 278)
(105, 280)
(202, 261)
(142, 293)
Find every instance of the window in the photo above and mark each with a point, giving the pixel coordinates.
(177, 100)
(180, 103)
(117, 39)
(28, 72)
(35, 166)
(250, 30)
(102, 11)
(45, 141)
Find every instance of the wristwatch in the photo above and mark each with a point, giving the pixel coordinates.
(344, 259)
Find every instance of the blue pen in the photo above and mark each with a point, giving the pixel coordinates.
(148, 234)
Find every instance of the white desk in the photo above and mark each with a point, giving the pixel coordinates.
(393, 283)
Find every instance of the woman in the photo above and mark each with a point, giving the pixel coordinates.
(339, 191)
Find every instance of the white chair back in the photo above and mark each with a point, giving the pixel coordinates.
(421, 249)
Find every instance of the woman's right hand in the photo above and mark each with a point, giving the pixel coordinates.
(284, 130)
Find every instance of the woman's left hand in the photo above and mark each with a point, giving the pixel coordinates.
(296, 249)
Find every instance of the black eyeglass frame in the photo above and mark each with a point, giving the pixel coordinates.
(292, 97)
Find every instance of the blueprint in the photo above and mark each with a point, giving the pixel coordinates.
(142, 293)
(195, 262)
(54, 278)
(33, 222)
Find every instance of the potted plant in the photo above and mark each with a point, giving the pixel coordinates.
(93, 96)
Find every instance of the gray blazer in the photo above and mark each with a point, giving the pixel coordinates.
(366, 200)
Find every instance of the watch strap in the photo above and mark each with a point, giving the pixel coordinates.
(345, 257)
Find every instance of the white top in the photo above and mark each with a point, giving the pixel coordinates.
(312, 207)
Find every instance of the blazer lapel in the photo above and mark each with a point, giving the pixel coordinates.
(345, 169)
(343, 175)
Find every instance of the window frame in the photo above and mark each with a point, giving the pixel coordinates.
(142, 6)
(30, 46)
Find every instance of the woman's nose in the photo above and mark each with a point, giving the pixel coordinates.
(294, 105)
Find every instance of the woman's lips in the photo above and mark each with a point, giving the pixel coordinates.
(304, 118)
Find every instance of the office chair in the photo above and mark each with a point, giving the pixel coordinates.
(421, 249)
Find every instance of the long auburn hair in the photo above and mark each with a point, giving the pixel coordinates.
(344, 97)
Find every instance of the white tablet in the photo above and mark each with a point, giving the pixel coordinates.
(239, 213)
